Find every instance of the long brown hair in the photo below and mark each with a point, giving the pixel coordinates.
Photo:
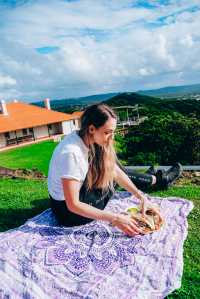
(102, 159)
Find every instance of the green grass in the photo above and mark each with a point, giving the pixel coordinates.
(31, 156)
(22, 199)
(191, 273)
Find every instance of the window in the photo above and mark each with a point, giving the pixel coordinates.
(74, 122)
(50, 127)
(31, 130)
(7, 135)
(24, 132)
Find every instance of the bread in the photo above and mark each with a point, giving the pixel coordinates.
(152, 221)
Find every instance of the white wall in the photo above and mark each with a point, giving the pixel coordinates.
(69, 126)
(77, 123)
(73, 125)
(41, 131)
(2, 140)
(66, 127)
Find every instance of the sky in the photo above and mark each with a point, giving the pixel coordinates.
(62, 49)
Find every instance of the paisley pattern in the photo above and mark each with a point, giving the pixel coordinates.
(43, 260)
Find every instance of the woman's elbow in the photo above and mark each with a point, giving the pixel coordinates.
(72, 206)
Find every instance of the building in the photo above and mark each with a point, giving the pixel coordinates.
(21, 122)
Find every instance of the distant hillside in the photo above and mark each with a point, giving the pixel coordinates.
(73, 104)
(172, 91)
(130, 98)
(189, 107)
(151, 105)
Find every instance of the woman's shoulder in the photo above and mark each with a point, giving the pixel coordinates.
(70, 145)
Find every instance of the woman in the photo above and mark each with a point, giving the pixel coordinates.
(83, 171)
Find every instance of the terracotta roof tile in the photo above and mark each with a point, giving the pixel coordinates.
(77, 114)
(23, 115)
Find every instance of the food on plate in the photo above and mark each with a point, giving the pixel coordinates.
(150, 223)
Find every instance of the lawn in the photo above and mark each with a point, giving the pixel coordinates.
(22, 199)
(31, 156)
(191, 275)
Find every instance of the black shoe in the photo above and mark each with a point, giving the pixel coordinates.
(151, 170)
(167, 178)
(173, 173)
(175, 165)
(161, 179)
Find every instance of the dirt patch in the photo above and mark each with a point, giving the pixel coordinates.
(189, 177)
(21, 173)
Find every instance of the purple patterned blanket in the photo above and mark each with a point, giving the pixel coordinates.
(40, 260)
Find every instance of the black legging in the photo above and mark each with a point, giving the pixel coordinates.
(142, 181)
(95, 198)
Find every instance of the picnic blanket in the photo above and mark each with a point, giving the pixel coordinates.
(41, 260)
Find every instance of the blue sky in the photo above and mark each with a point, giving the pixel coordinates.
(61, 49)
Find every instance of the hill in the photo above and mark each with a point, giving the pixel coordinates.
(130, 98)
(74, 104)
(152, 105)
(172, 91)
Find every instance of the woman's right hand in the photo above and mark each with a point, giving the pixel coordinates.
(127, 224)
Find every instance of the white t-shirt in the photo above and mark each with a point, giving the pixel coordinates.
(69, 160)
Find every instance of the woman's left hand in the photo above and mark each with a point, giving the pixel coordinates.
(147, 205)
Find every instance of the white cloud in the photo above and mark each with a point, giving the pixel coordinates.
(187, 41)
(145, 72)
(103, 45)
(7, 81)
(162, 50)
